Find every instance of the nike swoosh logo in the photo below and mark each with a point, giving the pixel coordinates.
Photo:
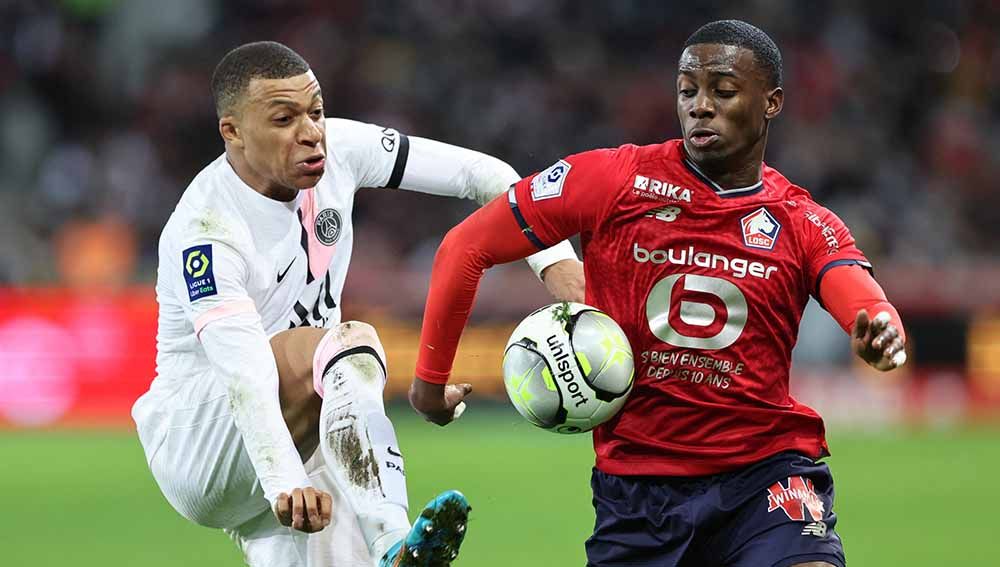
(391, 452)
(282, 275)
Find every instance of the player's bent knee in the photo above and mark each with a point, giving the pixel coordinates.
(344, 341)
(358, 334)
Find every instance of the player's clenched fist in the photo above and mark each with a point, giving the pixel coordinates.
(305, 509)
(877, 341)
(439, 403)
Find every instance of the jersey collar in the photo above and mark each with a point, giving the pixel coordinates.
(724, 193)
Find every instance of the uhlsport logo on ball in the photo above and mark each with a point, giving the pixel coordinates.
(568, 367)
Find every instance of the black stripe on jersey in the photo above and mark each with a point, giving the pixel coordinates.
(525, 227)
(304, 242)
(363, 349)
(401, 156)
(834, 264)
(724, 193)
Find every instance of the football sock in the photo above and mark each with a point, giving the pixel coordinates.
(359, 445)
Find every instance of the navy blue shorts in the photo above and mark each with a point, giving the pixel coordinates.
(775, 513)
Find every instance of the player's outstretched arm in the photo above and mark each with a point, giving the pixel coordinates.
(443, 169)
(857, 302)
(490, 236)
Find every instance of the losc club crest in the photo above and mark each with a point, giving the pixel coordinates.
(328, 226)
(760, 229)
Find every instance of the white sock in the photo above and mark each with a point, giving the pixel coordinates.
(359, 446)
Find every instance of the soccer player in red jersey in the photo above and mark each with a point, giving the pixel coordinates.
(706, 257)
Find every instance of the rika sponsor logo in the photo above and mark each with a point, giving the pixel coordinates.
(760, 229)
(737, 267)
(549, 183)
(796, 500)
(655, 188)
(328, 226)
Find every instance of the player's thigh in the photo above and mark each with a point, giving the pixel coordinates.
(266, 543)
(638, 523)
(201, 465)
(787, 523)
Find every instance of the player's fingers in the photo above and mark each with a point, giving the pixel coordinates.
(893, 348)
(899, 359)
(885, 337)
(282, 509)
(860, 324)
(298, 514)
(312, 508)
(326, 507)
(466, 389)
(880, 322)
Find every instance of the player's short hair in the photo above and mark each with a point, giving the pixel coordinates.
(257, 60)
(741, 34)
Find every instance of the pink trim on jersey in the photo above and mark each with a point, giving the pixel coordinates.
(227, 309)
(320, 254)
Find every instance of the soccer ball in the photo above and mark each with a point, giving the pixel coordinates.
(568, 368)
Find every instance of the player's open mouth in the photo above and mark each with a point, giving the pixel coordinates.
(702, 137)
(313, 165)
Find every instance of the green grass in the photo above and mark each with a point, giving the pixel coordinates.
(86, 498)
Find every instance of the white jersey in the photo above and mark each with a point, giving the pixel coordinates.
(236, 267)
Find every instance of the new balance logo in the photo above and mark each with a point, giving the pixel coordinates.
(656, 188)
(817, 529)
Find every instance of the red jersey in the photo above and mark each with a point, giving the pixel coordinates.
(708, 284)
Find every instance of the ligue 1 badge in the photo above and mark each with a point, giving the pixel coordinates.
(328, 226)
(760, 229)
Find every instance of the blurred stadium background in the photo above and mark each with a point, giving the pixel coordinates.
(892, 119)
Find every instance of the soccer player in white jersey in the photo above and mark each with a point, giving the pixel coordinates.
(255, 370)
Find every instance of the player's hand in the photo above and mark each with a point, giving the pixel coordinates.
(438, 403)
(877, 341)
(565, 280)
(306, 509)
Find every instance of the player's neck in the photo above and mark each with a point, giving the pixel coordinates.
(257, 182)
(744, 175)
(737, 171)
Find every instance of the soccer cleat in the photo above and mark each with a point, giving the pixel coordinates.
(435, 537)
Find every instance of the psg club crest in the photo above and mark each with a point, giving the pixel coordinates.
(328, 225)
(760, 229)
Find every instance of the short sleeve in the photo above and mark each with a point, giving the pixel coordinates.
(377, 156)
(570, 196)
(828, 243)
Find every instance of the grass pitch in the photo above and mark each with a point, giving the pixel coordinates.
(85, 499)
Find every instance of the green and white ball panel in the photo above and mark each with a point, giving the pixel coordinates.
(530, 387)
(604, 354)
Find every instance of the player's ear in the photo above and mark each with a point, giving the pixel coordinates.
(775, 101)
(230, 131)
